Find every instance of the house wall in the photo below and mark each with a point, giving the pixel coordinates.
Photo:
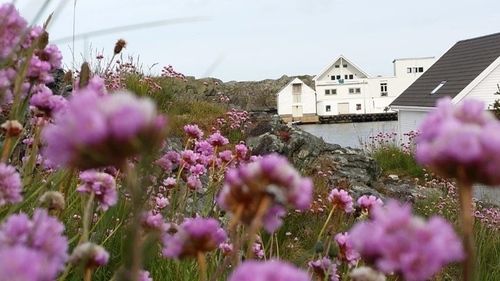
(401, 67)
(409, 120)
(286, 104)
(370, 98)
(486, 89)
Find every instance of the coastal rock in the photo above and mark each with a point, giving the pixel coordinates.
(314, 157)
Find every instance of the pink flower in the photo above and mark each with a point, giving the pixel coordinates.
(193, 236)
(193, 131)
(341, 199)
(395, 241)
(169, 182)
(270, 177)
(347, 251)
(102, 185)
(115, 127)
(368, 202)
(217, 139)
(161, 202)
(10, 185)
(461, 137)
(325, 269)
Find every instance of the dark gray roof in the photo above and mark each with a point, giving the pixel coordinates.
(458, 67)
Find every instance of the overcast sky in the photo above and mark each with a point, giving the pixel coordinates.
(259, 39)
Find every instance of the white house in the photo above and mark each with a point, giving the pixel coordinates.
(297, 102)
(344, 88)
(470, 69)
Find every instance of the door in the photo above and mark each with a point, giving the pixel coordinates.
(343, 108)
(297, 111)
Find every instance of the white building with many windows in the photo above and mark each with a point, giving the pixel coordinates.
(344, 88)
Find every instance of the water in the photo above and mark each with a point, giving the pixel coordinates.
(350, 134)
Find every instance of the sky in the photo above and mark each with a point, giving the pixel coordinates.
(260, 39)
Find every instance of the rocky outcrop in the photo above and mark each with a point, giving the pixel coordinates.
(312, 156)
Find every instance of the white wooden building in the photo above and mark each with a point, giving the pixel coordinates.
(470, 69)
(344, 88)
(297, 102)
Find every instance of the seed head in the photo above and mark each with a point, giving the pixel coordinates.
(119, 45)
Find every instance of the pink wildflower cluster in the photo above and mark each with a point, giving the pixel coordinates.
(234, 120)
(168, 71)
(13, 28)
(193, 236)
(15, 36)
(200, 157)
(395, 241)
(461, 141)
(489, 216)
(115, 77)
(33, 249)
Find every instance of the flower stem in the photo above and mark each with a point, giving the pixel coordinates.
(87, 217)
(325, 224)
(202, 262)
(465, 194)
(256, 224)
(87, 276)
(6, 149)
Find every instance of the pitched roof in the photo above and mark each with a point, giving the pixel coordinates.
(459, 66)
(294, 81)
(328, 67)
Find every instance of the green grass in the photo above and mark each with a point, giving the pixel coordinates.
(393, 160)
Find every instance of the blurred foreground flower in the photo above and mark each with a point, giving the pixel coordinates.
(268, 271)
(262, 188)
(97, 131)
(397, 242)
(10, 185)
(461, 141)
(33, 248)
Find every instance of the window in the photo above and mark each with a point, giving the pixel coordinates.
(337, 66)
(409, 70)
(421, 69)
(358, 106)
(345, 65)
(383, 89)
(328, 108)
(296, 88)
(346, 77)
(351, 76)
(296, 91)
(438, 87)
(332, 77)
(338, 77)
(354, 90)
(330, 92)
